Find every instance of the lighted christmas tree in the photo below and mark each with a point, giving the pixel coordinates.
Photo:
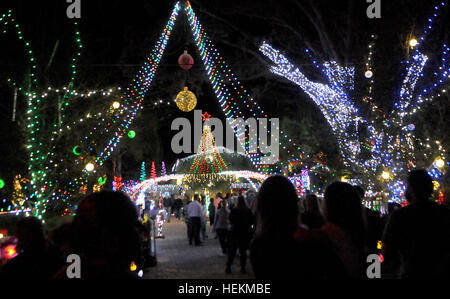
(153, 173)
(163, 169)
(143, 172)
(208, 160)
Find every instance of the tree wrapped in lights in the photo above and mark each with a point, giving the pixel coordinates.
(58, 173)
(208, 160)
(370, 146)
(143, 176)
(153, 174)
(163, 169)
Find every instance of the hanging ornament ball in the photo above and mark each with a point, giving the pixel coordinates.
(186, 61)
(411, 127)
(186, 100)
(2, 184)
(132, 134)
(369, 74)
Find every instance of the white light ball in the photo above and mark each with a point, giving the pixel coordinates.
(369, 74)
(440, 163)
(116, 105)
(90, 167)
(385, 175)
(413, 42)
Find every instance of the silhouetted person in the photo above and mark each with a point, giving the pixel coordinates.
(62, 239)
(35, 261)
(281, 248)
(312, 217)
(221, 226)
(204, 219)
(241, 220)
(167, 204)
(416, 241)
(374, 225)
(106, 236)
(250, 199)
(177, 205)
(345, 226)
(194, 212)
(212, 212)
(274, 253)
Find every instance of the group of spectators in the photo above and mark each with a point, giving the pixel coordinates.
(105, 234)
(287, 238)
(333, 239)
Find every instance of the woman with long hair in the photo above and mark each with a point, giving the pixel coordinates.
(274, 251)
(345, 226)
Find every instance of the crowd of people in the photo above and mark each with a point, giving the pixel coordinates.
(330, 237)
(333, 239)
(287, 237)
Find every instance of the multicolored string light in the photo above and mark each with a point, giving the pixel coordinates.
(235, 101)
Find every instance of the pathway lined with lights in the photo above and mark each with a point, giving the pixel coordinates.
(178, 260)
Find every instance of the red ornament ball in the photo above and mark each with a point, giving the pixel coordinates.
(186, 61)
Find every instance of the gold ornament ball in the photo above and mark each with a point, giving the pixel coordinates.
(186, 100)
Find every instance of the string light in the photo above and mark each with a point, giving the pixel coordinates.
(235, 101)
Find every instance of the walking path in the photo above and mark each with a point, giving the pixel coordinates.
(177, 260)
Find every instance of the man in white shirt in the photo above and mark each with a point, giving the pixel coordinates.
(194, 210)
